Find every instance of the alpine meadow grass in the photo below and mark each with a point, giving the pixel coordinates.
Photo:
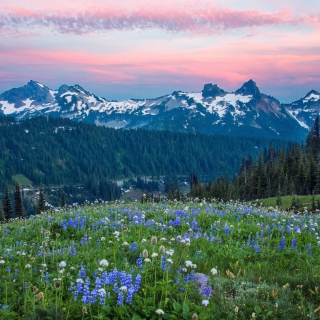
(166, 260)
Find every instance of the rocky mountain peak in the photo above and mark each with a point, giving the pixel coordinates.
(63, 89)
(32, 90)
(212, 90)
(312, 95)
(249, 88)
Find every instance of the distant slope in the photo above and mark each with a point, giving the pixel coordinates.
(60, 151)
(245, 112)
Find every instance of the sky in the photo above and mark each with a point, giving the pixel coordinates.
(145, 49)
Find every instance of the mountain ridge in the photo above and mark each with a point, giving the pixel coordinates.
(244, 112)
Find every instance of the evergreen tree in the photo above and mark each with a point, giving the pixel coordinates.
(18, 206)
(2, 217)
(313, 206)
(7, 207)
(313, 140)
(279, 200)
(41, 207)
(63, 200)
(171, 192)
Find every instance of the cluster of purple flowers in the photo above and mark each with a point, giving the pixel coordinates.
(118, 282)
(134, 247)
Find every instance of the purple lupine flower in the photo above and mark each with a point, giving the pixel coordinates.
(226, 229)
(102, 294)
(294, 243)
(163, 262)
(137, 282)
(206, 290)
(139, 263)
(83, 271)
(73, 251)
(256, 249)
(113, 276)
(84, 240)
(282, 244)
(194, 224)
(129, 296)
(133, 247)
(120, 298)
(309, 249)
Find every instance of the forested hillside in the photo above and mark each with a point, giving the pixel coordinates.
(58, 151)
(294, 170)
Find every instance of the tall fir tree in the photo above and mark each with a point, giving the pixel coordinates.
(7, 206)
(18, 205)
(41, 207)
(313, 140)
(2, 217)
(63, 200)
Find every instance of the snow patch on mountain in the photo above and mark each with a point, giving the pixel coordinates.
(311, 97)
(294, 115)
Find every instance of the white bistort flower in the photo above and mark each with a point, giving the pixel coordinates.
(205, 302)
(189, 263)
(214, 271)
(159, 311)
(62, 264)
(170, 252)
(104, 263)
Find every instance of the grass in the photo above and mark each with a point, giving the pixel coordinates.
(145, 261)
(22, 180)
(286, 202)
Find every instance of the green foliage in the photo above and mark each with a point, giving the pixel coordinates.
(58, 151)
(22, 180)
(259, 263)
(291, 170)
(7, 206)
(18, 205)
(41, 207)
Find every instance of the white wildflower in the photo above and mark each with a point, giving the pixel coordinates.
(104, 263)
(205, 302)
(188, 263)
(214, 271)
(159, 311)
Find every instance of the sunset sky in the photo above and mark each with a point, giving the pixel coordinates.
(142, 49)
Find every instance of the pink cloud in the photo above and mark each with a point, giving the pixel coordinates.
(196, 19)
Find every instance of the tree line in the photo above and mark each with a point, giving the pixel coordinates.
(293, 169)
(15, 209)
(58, 151)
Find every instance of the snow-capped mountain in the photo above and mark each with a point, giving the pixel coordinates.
(306, 109)
(246, 111)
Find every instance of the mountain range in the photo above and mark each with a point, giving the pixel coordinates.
(244, 112)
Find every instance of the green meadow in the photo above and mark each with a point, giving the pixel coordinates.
(166, 260)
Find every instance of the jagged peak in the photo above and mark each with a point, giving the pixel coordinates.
(313, 94)
(36, 84)
(212, 90)
(249, 88)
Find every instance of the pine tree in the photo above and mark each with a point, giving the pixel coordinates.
(171, 192)
(7, 207)
(63, 200)
(313, 140)
(2, 217)
(313, 206)
(41, 202)
(18, 206)
(279, 200)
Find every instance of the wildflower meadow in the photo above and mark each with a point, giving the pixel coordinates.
(165, 260)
